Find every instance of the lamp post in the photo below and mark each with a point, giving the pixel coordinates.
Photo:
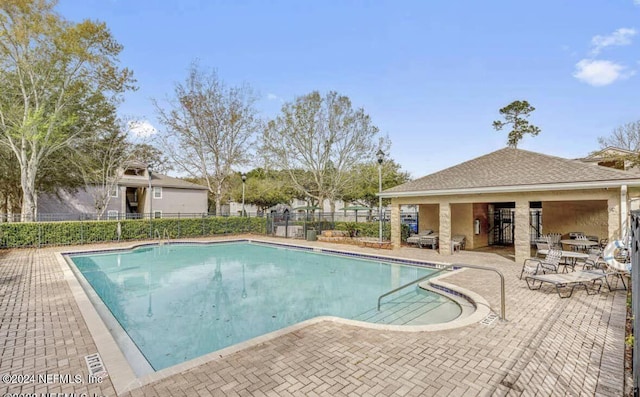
(150, 205)
(380, 156)
(244, 179)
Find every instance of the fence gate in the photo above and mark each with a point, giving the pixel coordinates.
(502, 226)
(535, 224)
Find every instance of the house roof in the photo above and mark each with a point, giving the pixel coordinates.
(608, 153)
(511, 169)
(159, 180)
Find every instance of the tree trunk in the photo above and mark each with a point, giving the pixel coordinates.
(218, 199)
(29, 194)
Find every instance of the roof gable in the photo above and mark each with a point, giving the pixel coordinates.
(609, 152)
(159, 180)
(510, 167)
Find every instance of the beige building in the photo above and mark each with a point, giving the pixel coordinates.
(511, 195)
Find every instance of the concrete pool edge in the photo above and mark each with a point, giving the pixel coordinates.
(122, 375)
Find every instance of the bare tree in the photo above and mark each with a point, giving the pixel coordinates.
(626, 136)
(208, 128)
(103, 164)
(317, 141)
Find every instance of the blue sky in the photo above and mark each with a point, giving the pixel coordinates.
(431, 74)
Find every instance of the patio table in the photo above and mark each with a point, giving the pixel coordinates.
(580, 243)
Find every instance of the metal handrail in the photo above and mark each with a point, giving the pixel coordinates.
(448, 267)
(502, 289)
(502, 297)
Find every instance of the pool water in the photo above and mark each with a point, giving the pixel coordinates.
(178, 302)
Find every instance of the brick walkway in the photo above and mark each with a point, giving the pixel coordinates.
(549, 346)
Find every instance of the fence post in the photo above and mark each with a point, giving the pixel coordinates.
(634, 249)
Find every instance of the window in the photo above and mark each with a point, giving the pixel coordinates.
(157, 192)
(114, 191)
(112, 214)
(157, 214)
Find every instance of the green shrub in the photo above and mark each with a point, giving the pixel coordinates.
(37, 234)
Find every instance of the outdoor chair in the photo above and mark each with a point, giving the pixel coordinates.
(581, 248)
(565, 283)
(553, 239)
(458, 242)
(603, 243)
(542, 245)
(594, 261)
(549, 264)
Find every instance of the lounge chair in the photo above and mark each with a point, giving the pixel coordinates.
(550, 264)
(565, 283)
(415, 239)
(430, 240)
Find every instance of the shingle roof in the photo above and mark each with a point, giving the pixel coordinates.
(159, 180)
(512, 167)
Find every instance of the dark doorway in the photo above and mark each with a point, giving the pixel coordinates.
(501, 222)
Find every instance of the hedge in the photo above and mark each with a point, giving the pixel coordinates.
(38, 234)
(372, 229)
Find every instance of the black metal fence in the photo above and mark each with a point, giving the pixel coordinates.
(65, 217)
(635, 297)
(70, 229)
(309, 226)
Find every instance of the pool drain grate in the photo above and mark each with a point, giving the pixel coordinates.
(489, 319)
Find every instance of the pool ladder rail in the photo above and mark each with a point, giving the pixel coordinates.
(450, 267)
(165, 238)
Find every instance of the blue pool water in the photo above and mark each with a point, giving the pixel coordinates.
(178, 302)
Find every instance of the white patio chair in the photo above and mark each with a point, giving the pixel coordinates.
(550, 264)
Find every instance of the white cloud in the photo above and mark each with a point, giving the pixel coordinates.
(620, 37)
(274, 97)
(142, 128)
(600, 73)
(636, 2)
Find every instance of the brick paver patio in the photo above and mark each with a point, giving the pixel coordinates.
(548, 346)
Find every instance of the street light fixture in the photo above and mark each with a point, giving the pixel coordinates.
(244, 179)
(380, 156)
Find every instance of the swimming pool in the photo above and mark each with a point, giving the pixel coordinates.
(178, 302)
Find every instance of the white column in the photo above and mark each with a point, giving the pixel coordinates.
(444, 238)
(522, 230)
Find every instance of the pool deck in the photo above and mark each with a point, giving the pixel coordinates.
(548, 346)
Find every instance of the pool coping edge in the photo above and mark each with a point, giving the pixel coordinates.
(124, 378)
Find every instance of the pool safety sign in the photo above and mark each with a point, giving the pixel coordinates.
(95, 366)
